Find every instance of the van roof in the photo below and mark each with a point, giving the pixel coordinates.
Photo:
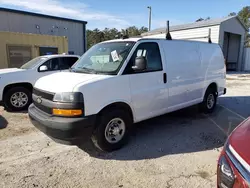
(60, 55)
(123, 40)
(145, 39)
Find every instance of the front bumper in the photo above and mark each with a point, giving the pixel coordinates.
(61, 129)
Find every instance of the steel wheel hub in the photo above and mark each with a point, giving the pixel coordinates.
(115, 130)
(210, 101)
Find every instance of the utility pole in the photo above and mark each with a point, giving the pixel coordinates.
(149, 19)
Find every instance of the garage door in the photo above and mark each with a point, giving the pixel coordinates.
(18, 55)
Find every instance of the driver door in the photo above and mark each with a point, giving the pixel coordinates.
(149, 92)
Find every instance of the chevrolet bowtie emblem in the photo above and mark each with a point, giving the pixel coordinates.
(39, 100)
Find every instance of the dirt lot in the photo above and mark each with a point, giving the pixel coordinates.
(175, 150)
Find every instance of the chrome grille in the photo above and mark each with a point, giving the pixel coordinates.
(43, 94)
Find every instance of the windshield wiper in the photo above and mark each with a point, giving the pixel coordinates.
(85, 70)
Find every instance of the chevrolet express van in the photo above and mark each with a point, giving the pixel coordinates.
(124, 81)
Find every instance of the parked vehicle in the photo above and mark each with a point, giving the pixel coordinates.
(124, 81)
(233, 168)
(16, 84)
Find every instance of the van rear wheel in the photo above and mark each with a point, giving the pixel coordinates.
(112, 131)
(209, 102)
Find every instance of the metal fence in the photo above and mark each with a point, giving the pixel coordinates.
(247, 59)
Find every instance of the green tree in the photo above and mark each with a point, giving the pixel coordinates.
(143, 29)
(113, 33)
(199, 20)
(133, 31)
(96, 35)
(232, 14)
(202, 19)
(244, 15)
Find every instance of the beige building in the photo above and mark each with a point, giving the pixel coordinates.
(29, 22)
(18, 48)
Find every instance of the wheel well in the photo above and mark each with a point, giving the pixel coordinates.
(213, 86)
(119, 105)
(25, 85)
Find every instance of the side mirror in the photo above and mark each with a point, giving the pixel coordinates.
(43, 68)
(140, 64)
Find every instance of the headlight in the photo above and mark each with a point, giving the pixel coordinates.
(226, 176)
(71, 104)
(68, 97)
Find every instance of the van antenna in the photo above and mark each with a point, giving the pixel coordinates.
(125, 36)
(168, 35)
(209, 36)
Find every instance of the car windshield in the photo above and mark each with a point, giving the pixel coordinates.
(104, 58)
(32, 63)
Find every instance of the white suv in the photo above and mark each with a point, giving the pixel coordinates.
(16, 84)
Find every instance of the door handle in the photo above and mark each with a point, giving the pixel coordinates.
(165, 78)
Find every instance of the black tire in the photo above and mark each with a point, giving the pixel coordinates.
(204, 106)
(98, 136)
(7, 97)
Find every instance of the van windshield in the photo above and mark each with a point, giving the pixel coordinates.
(103, 58)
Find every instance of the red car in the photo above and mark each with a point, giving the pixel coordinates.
(233, 170)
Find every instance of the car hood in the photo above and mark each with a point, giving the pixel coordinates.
(240, 138)
(10, 70)
(66, 81)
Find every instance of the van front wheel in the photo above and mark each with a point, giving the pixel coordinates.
(210, 100)
(112, 130)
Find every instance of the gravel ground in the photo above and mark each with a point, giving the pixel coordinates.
(175, 150)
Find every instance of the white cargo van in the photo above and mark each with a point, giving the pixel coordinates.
(124, 81)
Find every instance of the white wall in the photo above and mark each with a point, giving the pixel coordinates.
(247, 59)
(233, 26)
(193, 33)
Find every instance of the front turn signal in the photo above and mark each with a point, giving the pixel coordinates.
(67, 112)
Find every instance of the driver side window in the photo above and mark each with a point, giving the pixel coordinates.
(149, 50)
(52, 64)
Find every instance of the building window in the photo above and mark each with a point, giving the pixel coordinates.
(48, 50)
(18, 55)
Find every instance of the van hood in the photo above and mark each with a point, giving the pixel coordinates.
(240, 139)
(66, 81)
(10, 70)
